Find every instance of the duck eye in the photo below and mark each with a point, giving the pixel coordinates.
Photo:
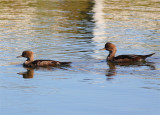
(23, 54)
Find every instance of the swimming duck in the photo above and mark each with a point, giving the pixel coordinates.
(122, 58)
(30, 62)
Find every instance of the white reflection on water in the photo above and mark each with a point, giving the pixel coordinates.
(99, 32)
(99, 28)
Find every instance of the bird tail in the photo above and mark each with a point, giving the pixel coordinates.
(65, 63)
(149, 55)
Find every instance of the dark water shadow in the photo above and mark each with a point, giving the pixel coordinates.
(29, 73)
(112, 71)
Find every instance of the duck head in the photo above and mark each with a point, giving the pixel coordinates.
(27, 54)
(110, 47)
(112, 50)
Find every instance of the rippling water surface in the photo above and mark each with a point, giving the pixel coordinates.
(75, 30)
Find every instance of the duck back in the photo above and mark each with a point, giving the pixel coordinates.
(131, 58)
(45, 63)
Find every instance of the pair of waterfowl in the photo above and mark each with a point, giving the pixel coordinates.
(30, 62)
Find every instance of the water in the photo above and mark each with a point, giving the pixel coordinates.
(75, 30)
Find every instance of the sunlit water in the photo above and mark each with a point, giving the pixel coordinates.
(75, 30)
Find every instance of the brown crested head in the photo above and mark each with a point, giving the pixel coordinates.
(27, 54)
(110, 47)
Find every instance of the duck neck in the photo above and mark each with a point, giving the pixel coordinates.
(30, 59)
(111, 55)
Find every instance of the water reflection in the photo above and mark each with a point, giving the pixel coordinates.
(49, 16)
(99, 28)
(29, 73)
(112, 71)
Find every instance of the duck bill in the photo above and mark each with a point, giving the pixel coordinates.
(103, 49)
(19, 56)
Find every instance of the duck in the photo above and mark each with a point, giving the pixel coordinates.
(122, 58)
(30, 62)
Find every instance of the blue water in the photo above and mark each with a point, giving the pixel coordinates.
(75, 31)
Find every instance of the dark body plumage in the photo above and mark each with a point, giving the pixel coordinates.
(44, 63)
(30, 62)
(122, 58)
